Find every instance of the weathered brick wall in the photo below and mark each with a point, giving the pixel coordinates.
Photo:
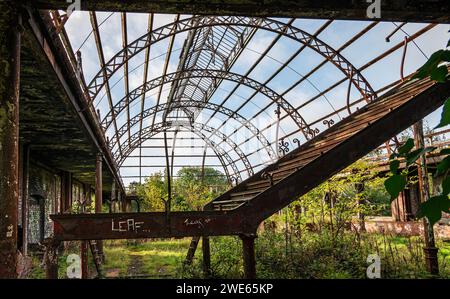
(44, 194)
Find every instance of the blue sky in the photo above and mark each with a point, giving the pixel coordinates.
(359, 53)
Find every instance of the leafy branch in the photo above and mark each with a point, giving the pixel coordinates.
(435, 68)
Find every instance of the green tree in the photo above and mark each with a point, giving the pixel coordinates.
(152, 192)
(195, 188)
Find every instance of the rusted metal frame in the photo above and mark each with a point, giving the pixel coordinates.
(285, 64)
(217, 151)
(411, 11)
(101, 57)
(147, 134)
(99, 197)
(120, 105)
(25, 196)
(146, 64)
(177, 156)
(214, 107)
(348, 151)
(172, 156)
(370, 63)
(206, 253)
(197, 128)
(125, 70)
(233, 54)
(248, 251)
(267, 24)
(41, 25)
(405, 48)
(206, 63)
(168, 202)
(10, 34)
(430, 249)
(181, 66)
(405, 90)
(149, 225)
(166, 64)
(378, 92)
(344, 46)
(247, 74)
(175, 176)
(171, 165)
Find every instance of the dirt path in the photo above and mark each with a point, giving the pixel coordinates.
(135, 267)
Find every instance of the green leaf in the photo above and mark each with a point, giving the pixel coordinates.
(430, 65)
(433, 208)
(414, 155)
(439, 74)
(446, 186)
(445, 151)
(443, 166)
(393, 166)
(407, 147)
(395, 184)
(445, 115)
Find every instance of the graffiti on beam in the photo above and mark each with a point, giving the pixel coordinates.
(200, 223)
(128, 225)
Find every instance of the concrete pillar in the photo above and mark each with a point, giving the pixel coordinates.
(206, 257)
(10, 24)
(248, 249)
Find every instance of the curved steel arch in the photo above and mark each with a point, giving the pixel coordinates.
(199, 128)
(197, 104)
(147, 133)
(219, 74)
(135, 47)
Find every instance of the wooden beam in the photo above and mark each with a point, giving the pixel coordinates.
(399, 11)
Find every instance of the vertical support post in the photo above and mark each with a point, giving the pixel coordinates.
(51, 258)
(430, 247)
(25, 191)
(66, 189)
(248, 249)
(359, 190)
(191, 251)
(98, 196)
(206, 257)
(84, 260)
(10, 23)
(113, 196)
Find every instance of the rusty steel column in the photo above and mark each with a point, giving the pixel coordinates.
(25, 185)
(10, 27)
(360, 201)
(84, 259)
(430, 249)
(98, 196)
(248, 249)
(51, 258)
(206, 257)
(66, 192)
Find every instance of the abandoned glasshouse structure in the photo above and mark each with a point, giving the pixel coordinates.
(224, 139)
